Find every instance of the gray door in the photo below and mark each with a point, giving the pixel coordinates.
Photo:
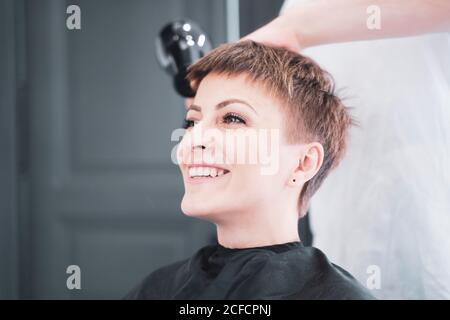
(103, 193)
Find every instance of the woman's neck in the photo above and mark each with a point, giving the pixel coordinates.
(257, 230)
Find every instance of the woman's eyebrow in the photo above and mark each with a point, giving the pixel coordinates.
(222, 105)
(233, 100)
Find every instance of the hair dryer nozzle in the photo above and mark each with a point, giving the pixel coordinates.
(179, 44)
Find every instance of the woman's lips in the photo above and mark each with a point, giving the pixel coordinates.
(204, 173)
(200, 180)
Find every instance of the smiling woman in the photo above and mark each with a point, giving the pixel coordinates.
(244, 90)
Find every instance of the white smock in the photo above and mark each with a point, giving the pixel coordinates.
(385, 211)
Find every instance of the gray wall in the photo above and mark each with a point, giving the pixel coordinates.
(85, 120)
(256, 13)
(96, 187)
(8, 178)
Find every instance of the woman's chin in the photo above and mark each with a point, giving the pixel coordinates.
(199, 209)
(206, 210)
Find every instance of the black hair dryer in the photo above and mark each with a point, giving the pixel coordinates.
(179, 44)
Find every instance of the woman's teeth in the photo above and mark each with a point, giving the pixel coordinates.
(206, 172)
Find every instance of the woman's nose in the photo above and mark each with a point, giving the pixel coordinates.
(198, 146)
(202, 137)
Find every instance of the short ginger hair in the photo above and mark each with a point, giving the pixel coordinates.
(313, 112)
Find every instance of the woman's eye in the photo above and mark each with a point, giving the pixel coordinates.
(233, 119)
(188, 123)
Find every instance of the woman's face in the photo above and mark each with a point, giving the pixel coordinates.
(234, 157)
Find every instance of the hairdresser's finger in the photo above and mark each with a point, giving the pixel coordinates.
(276, 33)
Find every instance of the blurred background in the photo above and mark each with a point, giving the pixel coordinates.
(86, 118)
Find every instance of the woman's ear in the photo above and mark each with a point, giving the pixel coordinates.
(310, 161)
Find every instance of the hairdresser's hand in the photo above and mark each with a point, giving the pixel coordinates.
(318, 22)
(279, 32)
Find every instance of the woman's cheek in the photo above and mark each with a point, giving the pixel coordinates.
(238, 148)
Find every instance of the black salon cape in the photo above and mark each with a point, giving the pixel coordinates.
(281, 271)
